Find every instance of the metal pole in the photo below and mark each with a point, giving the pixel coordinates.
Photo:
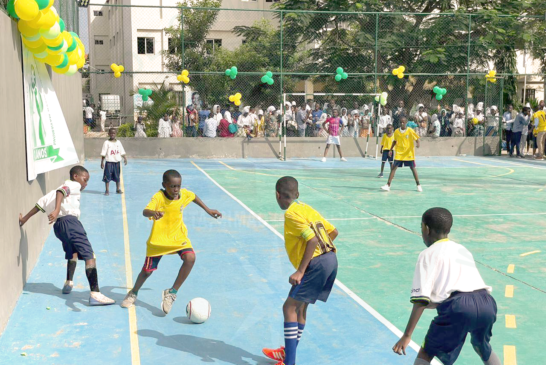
(501, 108)
(484, 118)
(525, 78)
(467, 72)
(183, 67)
(375, 82)
(282, 76)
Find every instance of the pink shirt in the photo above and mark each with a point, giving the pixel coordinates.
(333, 126)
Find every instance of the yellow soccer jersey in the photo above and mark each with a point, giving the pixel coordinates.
(169, 234)
(541, 116)
(405, 144)
(386, 142)
(301, 224)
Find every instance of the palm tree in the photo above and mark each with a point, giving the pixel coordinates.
(164, 102)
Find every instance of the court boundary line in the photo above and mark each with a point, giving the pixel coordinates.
(135, 349)
(342, 286)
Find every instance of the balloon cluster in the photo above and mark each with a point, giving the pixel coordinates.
(491, 76)
(268, 78)
(146, 93)
(235, 99)
(232, 72)
(439, 92)
(184, 77)
(117, 69)
(382, 99)
(341, 75)
(399, 72)
(45, 36)
(475, 121)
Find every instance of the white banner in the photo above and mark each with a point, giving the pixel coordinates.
(49, 145)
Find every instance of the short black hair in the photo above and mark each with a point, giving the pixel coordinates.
(439, 220)
(287, 187)
(171, 174)
(77, 170)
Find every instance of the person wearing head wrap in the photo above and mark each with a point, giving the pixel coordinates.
(384, 120)
(224, 125)
(421, 118)
(344, 123)
(445, 123)
(245, 123)
(271, 122)
(492, 123)
(435, 127)
(193, 121)
(365, 123)
(353, 122)
(140, 128)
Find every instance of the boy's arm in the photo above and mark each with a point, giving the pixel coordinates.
(392, 148)
(402, 344)
(23, 220)
(333, 235)
(59, 196)
(295, 278)
(212, 212)
(148, 213)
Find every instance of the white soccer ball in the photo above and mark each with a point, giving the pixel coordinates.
(198, 310)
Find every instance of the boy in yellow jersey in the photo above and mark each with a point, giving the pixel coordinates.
(540, 127)
(169, 236)
(386, 146)
(308, 239)
(405, 140)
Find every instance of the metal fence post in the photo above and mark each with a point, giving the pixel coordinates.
(375, 83)
(281, 83)
(467, 74)
(183, 67)
(501, 110)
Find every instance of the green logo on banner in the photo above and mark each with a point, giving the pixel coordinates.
(47, 152)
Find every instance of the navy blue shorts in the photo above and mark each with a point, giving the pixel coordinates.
(386, 157)
(398, 163)
(151, 262)
(111, 172)
(459, 315)
(318, 280)
(70, 231)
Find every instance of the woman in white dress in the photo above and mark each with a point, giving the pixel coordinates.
(345, 122)
(140, 129)
(164, 129)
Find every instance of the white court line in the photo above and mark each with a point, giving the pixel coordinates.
(347, 291)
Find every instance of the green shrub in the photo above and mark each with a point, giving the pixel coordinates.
(151, 129)
(126, 130)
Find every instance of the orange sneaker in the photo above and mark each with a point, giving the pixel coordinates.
(275, 354)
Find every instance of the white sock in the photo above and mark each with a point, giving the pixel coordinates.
(421, 362)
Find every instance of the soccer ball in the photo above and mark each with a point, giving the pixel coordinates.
(198, 310)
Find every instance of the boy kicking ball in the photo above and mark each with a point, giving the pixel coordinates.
(308, 239)
(386, 147)
(63, 208)
(169, 236)
(405, 140)
(446, 278)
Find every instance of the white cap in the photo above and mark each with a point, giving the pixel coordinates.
(494, 107)
(260, 112)
(294, 103)
(271, 109)
(246, 109)
(420, 106)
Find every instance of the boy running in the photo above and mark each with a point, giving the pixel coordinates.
(308, 239)
(63, 208)
(169, 236)
(405, 140)
(446, 278)
(386, 147)
(112, 151)
(332, 127)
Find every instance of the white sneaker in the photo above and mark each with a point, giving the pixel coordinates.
(419, 188)
(386, 188)
(168, 300)
(97, 298)
(343, 159)
(129, 300)
(323, 159)
(68, 285)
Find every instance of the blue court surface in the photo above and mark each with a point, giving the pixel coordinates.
(241, 269)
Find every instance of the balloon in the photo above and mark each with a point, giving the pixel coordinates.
(233, 77)
(183, 77)
(71, 70)
(59, 49)
(232, 98)
(270, 82)
(42, 4)
(33, 44)
(344, 76)
(64, 63)
(40, 49)
(234, 69)
(53, 60)
(444, 91)
(400, 75)
(48, 19)
(185, 73)
(475, 120)
(383, 98)
(81, 62)
(269, 74)
(238, 95)
(62, 25)
(26, 29)
(264, 79)
(402, 69)
(436, 89)
(237, 103)
(236, 99)
(34, 38)
(53, 42)
(11, 9)
(395, 72)
(117, 75)
(228, 72)
(338, 77)
(60, 70)
(73, 45)
(232, 72)
(439, 97)
(52, 32)
(26, 9)
(73, 57)
(399, 72)
(339, 70)
(146, 93)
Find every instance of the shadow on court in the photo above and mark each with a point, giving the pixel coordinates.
(207, 349)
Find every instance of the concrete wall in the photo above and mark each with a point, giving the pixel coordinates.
(269, 147)
(20, 248)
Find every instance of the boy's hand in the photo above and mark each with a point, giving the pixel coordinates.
(125, 160)
(158, 215)
(214, 214)
(22, 220)
(295, 278)
(53, 216)
(102, 165)
(400, 346)
(417, 144)
(390, 153)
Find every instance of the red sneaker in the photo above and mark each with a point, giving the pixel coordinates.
(275, 354)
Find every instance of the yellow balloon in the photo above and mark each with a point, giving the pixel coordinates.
(53, 42)
(33, 44)
(80, 63)
(55, 14)
(60, 70)
(34, 38)
(67, 37)
(185, 73)
(238, 95)
(71, 70)
(26, 9)
(117, 75)
(26, 30)
(49, 18)
(121, 68)
(237, 103)
(51, 33)
(402, 68)
(41, 48)
(73, 57)
(53, 60)
(232, 98)
(179, 78)
(186, 80)
(395, 72)
(400, 75)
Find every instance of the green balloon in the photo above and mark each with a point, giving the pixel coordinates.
(270, 81)
(62, 25)
(444, 91)
(11, 9)
(339, 71)
(149, 92)
(338, 77)
(234, 70)
(345, 75)
(42, 4)
(64, 63)
(436, 89)
(383, 101)
(228, 72)
(232, 76)
(439, 97)
(269, 74)
(73, 46)
(265, 79)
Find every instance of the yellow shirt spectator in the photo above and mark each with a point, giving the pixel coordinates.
(301, 224)
(541, 116)
(405, 144)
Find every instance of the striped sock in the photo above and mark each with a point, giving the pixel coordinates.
(300, 332)
(290, 342)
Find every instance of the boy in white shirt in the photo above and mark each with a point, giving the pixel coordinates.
(446, 278)
(112, 152)
(63, 208)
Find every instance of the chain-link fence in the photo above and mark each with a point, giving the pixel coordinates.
(303, 50)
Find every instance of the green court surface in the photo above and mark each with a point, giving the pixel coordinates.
(499, 206)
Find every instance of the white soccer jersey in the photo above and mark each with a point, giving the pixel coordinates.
(112, 151)
(71, 201)
(444, 268)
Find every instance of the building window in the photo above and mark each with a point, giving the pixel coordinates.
(99, 41)
(145, 45)
(97, 12)
(173, 45)
(529, 95)
(213, 45)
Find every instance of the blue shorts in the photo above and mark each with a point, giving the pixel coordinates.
(398, 163)
(70, 231)
(459, 315)
(111, 172)
(386, 157)
(318, 280)
(151, 262)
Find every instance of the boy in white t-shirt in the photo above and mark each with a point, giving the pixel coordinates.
(63, 208)
(446, 278)
(112, 152)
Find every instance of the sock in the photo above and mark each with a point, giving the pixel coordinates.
(421, 362)
(290, 342)
(301, 327)
(135, 292)
(70, 268)
(92, 277)
(493, 360)
(173, 291)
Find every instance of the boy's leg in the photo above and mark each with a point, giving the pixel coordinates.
(291, 308)
(302, 318)
(382, 167)
(107, 191)
(118, 188)
(415, 175)
(150, 265)
(391, 176)
(169, 295)
(423, 358)
(70, 269)
(326, 150)
(339, 150)
(91, 273)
